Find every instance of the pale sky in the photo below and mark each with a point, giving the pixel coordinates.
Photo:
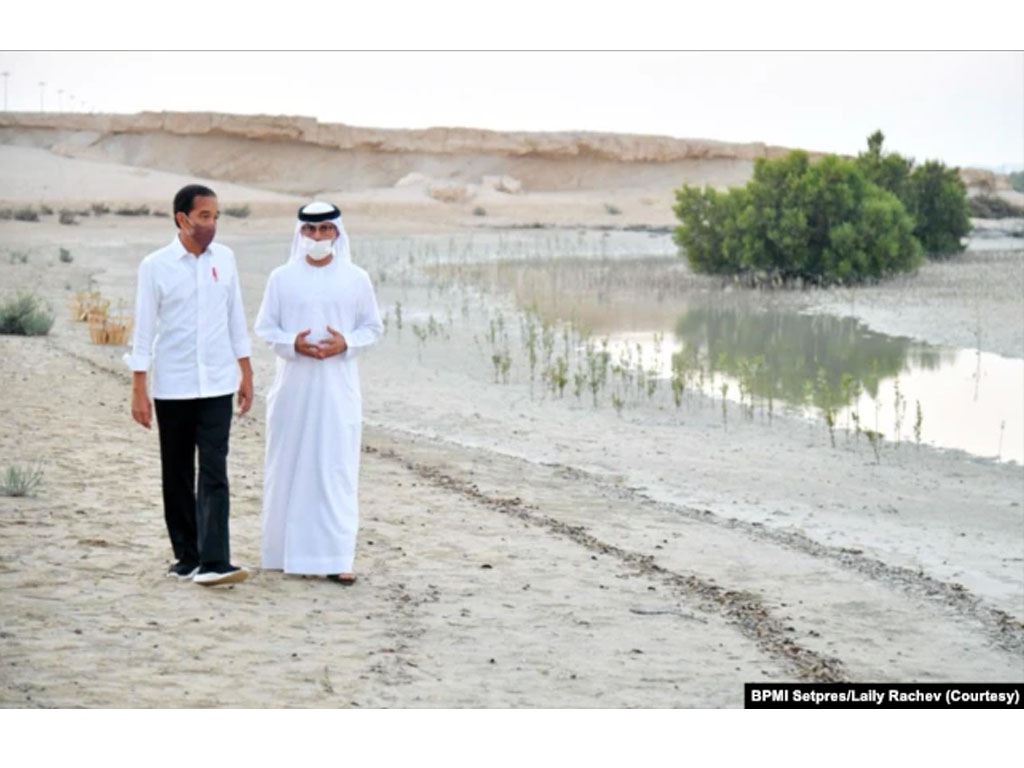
(963, 108)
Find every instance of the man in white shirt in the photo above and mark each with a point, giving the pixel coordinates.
(189, 307)
(318, 313)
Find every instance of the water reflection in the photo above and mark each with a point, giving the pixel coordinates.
(660, 320)
(818, 360)
(832, 367)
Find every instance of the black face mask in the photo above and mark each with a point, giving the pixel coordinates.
(201, 234)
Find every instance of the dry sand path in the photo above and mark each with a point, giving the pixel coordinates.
(577, 608)
(90, 620)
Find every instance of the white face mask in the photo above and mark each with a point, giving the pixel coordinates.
(317, 249)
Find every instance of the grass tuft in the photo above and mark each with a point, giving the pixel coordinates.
(20, 481)
(25, 315)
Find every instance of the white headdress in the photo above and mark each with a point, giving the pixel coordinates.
(314, 213)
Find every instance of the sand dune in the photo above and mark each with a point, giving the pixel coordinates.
(300, 156)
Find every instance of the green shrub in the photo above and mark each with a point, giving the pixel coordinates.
(934, 195)
(889, 171)
(709, 230)
(25, 315)
(20, 481)
(611, 209)
(26, 214)
(479, 211)
(239, 212)
(46, 210)
(126, 210)
(993, 207)
(1017, 181)
(65, 256)
(161, 214)
(67, 217)
(822, 222)
(6, 214)
(18, 257)
(99, 209)
(937, 199)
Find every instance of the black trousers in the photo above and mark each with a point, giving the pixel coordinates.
(196, 516)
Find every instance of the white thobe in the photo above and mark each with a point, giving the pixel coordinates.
(314, 416)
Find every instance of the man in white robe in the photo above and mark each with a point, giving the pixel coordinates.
(318, 312)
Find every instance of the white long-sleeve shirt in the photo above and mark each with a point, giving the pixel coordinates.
(191, 307)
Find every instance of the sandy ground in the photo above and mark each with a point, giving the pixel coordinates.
(515, 550)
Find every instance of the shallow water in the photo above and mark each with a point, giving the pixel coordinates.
(965, 399)
(634, 291)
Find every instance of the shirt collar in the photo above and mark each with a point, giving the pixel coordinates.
(180, 250)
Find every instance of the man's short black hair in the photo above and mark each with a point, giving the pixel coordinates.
(186, 197)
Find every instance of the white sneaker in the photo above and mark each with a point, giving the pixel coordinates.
(221, 574)
(182, 571)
